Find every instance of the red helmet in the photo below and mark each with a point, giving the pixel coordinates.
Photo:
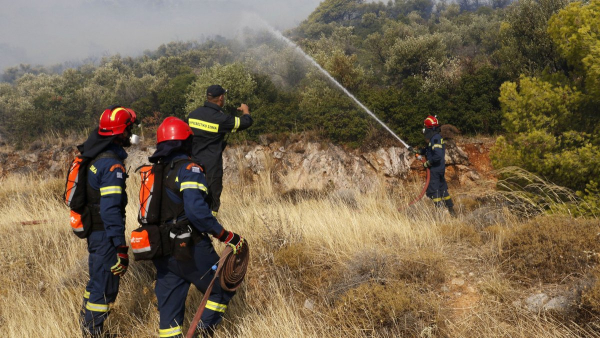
(431, 122)
(115, 120)
(173, 128)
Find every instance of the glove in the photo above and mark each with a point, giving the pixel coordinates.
(413, 150)
(120, 268)
(232, 239)
(426, 164)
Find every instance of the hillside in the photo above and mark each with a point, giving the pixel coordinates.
(299, 162)
(327, 260)
(320, 189)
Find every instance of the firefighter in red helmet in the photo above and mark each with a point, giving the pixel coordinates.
(106, 199)
(184, 208)
(435, 152)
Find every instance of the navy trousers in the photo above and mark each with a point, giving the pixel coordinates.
(173, 280)
(103, 286)
(438, 189)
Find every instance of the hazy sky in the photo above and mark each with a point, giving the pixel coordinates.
(55, 31)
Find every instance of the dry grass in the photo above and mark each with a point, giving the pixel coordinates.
(319, 268)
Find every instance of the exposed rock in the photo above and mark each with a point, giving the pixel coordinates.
(31, 157)
(293, 165)
(457, 282)
(308, 304)
(560, 304)
(535, 303)
(486, 216)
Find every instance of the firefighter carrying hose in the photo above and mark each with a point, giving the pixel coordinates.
(435, 152)
(106, 200)
(185, 211)
(210, 125)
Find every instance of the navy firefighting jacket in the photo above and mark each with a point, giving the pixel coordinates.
(191, 184)
(107, 175)
(210, 125)
(435, 152)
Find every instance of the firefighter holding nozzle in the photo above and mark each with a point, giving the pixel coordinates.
(435, 153)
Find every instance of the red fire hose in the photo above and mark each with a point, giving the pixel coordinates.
(422, 191)
(231, 270)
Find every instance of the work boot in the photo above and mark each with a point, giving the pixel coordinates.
(451, 211)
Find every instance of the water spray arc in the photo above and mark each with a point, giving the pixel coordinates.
(280, 36)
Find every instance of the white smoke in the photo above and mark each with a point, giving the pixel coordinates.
(48, 32)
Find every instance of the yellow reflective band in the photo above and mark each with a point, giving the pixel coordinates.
(96, 307)
(86, 295)
(170, 332)
(215, 213)
(437, 146)
(237, 124)
(114, 189)
(447, 198)
(93, 169)
(192, 185)
(114, 113)
(216, 306)
(203, 125)
(437, 199)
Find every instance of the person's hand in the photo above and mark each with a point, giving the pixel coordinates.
(122, 264)
(232, 239)
(419, 157)
(244, 109)
(426, 164)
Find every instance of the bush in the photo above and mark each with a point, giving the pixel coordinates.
(548, 249)
(385, 305)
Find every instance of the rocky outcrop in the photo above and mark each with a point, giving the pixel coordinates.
(293, 165)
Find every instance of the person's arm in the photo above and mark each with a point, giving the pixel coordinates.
(112, 188)
(233, 124)
(437, 152)
(193, 186)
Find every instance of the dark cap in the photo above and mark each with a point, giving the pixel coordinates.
(215, 90)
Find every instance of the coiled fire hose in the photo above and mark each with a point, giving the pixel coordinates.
(231, 270)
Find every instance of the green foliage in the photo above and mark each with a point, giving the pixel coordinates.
(235, 77)
(412, 55)
(474, 105)
(526, 45)
(576, 32)
(336, 115)
(552, 121)
(172, 99)
(404, 59)
(533, 104)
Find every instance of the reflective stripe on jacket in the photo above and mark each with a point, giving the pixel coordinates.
(210, 125)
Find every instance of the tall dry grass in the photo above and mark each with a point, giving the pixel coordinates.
(321, 266)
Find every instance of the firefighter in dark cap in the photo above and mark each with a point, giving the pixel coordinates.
(210, 126)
